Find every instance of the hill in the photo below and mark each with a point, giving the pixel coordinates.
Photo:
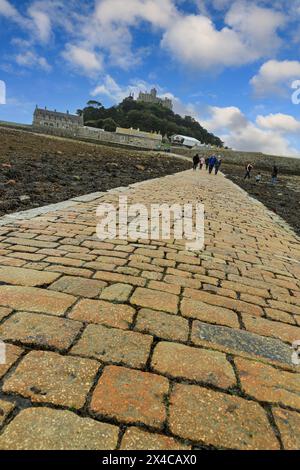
(146, 117)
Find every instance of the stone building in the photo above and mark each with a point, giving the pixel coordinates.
(69, 125)
(43, 118)
(153, 98)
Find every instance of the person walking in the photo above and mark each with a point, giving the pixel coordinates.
(249, 168)
(206, 163)
(274, 174)
(211, 163)
(202, 162)
(196, 161)
(217, 165)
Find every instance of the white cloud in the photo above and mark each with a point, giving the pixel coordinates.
(37, 22)
(257, 26)
(238, 132)
(250, 33)
(223, 119)
(9, 11)
(113, 39)
(275, 76)
(195, 41)
(157, 12)
(282, 123)
(109, 27)
(42, 22)
(84, 60)
(110, 88)
(31, 59)
(252, 138)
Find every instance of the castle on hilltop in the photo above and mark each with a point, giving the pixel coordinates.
(153, 98)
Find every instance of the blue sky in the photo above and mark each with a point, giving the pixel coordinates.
(229, 63)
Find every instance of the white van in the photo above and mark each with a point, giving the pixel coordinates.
(186, 141)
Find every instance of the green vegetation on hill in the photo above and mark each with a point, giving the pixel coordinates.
(146, 117)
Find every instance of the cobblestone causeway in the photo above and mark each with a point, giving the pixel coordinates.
(141, 344)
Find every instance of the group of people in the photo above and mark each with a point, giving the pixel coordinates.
(258, 178)
(211, 163)
(214, 162)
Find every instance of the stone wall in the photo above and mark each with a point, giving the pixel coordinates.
(125, 139)
(97, 135)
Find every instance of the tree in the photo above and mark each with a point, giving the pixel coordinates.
(99, 123)
(146, 117)
(95, 104)
(128, 104)
(109, 125)
(172, 129)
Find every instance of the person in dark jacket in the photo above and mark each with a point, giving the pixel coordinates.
(217, 165)
(274, 174)
(206, 163)
(249, 168)
(196, 161)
